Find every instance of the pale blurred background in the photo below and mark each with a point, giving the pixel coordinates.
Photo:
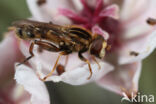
(61, 93)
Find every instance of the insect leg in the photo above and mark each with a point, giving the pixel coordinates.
(60, 54)
(61, 68)
(31, 54)
(96, 61)
(44, 45)
(87, 61)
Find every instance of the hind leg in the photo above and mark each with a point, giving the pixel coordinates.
(54, 67)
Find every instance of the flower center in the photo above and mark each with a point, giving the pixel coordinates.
(101, 15)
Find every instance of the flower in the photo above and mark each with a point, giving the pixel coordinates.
(9, 54)
(124, 28)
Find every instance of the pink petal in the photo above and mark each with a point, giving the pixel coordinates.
(73, 16)
(6, 90)
(111, 11)
(97, 30)
(144, 46)
(86, 8)
(25, 76)
(123, 79)
(9, 54)
(99, 6)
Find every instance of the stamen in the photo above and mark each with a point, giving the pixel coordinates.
(87, 10)
(98, 8)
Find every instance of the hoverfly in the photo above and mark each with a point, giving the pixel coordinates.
(133, 53)
(63, 39)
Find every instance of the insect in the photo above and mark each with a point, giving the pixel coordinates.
(63, 39)
(151, 21)
(133, 53)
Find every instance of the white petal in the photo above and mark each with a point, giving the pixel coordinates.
(131, 8)
(144, 46)
(36, 12)
(134, 30)
(26, 77)
(49, 11)
(123, 79)
(78, 76)
(136, 24)
(92, 3)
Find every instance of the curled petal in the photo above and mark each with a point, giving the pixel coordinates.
(9, 54)
(26, 77)
(143, 46)
(97, 30)
(111, 11)
(123, 79)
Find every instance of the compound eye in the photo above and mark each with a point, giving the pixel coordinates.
(98, 46)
